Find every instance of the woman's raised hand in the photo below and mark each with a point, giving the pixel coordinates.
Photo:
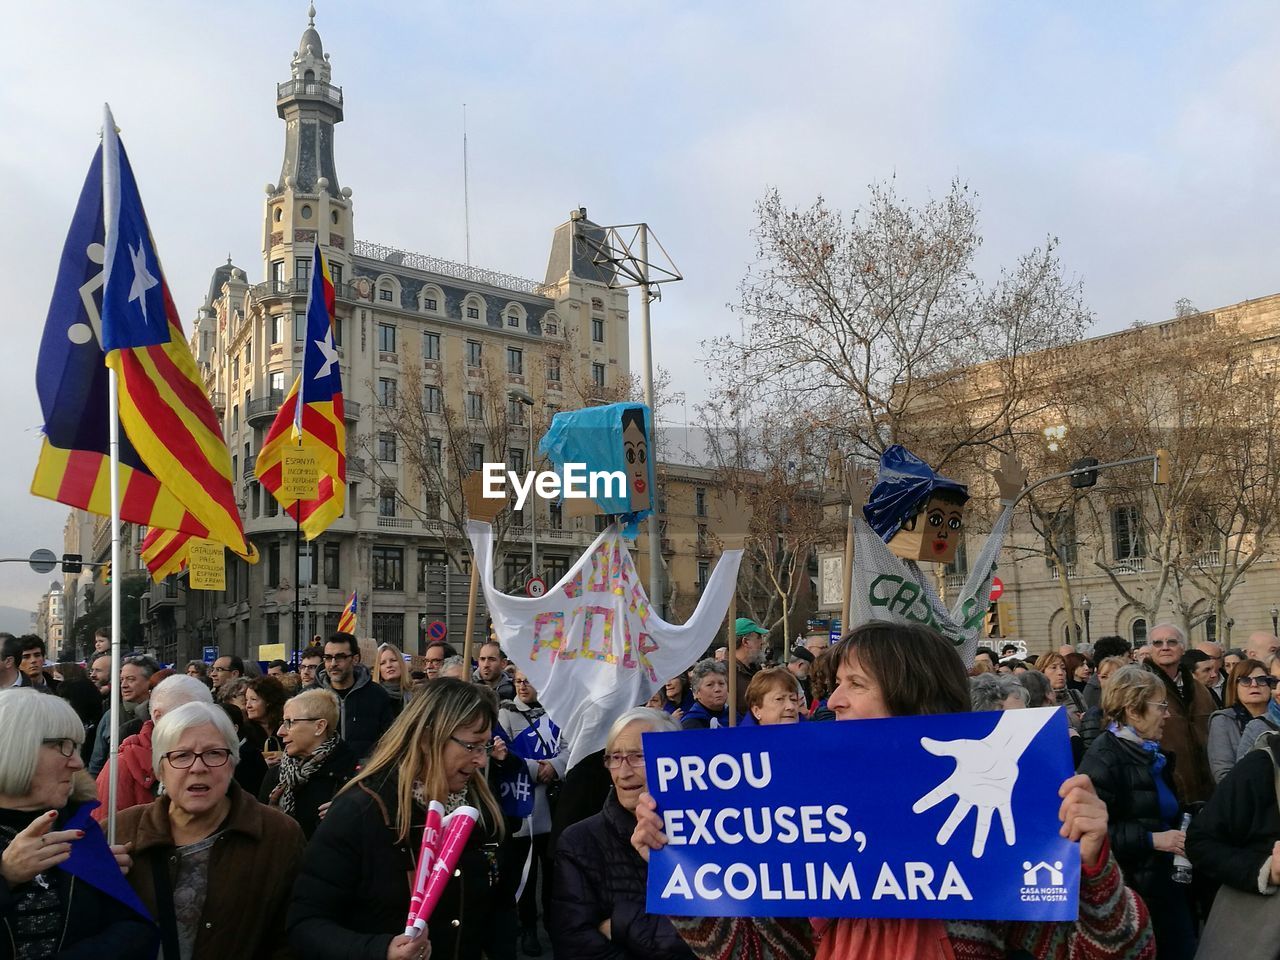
(36, 849)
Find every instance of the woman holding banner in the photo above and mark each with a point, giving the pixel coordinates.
(599, 887)
(886, 670)
(352, 895)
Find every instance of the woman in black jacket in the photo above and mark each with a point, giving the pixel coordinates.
(351, 898)
(598, 886)
(1134, 779)
(1234, 839)
(316, 764)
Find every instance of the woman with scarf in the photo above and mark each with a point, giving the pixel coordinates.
(1248, 697)
(393, 675)
(352, 896)
(1134, 778)
(316, 764)
(1267, 721)
(710, 679)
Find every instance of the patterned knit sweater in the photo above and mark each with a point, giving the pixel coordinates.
(1113, 925)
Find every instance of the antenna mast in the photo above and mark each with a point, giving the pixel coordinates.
(466, 192)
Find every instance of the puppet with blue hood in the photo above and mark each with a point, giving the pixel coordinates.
(915, 516)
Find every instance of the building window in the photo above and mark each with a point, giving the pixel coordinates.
(515, 412)
(555, 516)
(704, 574)
(277, 275)
(386, 392)
(431, 346)
(335, 274)
(235, 368)
(430, 568)
(553, 368)
(515, 361)
(277, 383)
(235, 417)
(513, 319)
(474, 353)
(248, 353)
(386, 501)
(1138, 632)
(437, 451)
(515, 457)
(388, 568)
(473, 312)
(389, 628)
(477, 456)
(700, 501)
(301, 269)
(597, 330)
(273, 564)
(1126, 533)
(431, 505)
(475, 406)
(387, 337)
(386, 294)
(271, 505)
(332, 566)
(387, 447)
(274, 324)
(597, 374)
(429, 303)
(432, 400)
(1210, 630)
(299, 326)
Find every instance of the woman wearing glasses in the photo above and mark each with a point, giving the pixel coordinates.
(44, 910)
(213, 865)
(316, 762)
(1248, 693)
(1134, 779)
(598, 890)
(1267, 721)
(352, 896)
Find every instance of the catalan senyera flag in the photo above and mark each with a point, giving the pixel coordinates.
(311, 416)
(347, 622)
(72, 380)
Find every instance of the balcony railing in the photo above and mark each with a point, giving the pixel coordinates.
(448, 268)
(260, 408)
(249, 463)
(218, 400)
(395, 523)
(1130, 565)
(1055, 572)
(309, 88)
(955, 581)
(1210, 558)
(350, 410)
(279, 289)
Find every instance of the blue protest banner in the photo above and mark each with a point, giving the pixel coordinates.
(946, 817)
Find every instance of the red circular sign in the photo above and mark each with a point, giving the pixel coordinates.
(997, 588)
(535, 586)
(437, 630)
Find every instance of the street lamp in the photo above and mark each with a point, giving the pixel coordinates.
(1084, 606)
(1230, 623)
(1275, 621)
(524, 397)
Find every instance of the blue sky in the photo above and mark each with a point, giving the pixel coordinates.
(1142, 135)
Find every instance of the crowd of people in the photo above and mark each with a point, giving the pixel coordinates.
(279, 813)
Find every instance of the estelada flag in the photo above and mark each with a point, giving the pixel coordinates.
(174, 466)
(310, 418)
(347, 622)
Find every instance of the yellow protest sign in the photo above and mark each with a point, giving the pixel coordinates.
(205, 565)
(300, 474)
(270, 651)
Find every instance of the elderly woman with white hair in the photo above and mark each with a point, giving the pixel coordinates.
(214, 865)
(997, 691)
(50, 906)
(598, 886)
(710, 681)
(137, 781)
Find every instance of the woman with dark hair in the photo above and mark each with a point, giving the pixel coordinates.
(677, 696)
(264, 709)
(1248, 697)
(886, 670)
(822, 680)
(252, 768)
(1079, 670)
(85, 700)
(1061, 694)
(352, 896)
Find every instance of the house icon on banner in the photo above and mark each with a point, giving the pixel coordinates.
(1031, 875)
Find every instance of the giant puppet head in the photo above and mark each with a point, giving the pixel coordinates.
(918, 514)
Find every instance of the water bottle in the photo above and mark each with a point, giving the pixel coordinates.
(1181, 865)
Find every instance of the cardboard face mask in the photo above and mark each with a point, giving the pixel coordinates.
(934, 534)
(635, 448)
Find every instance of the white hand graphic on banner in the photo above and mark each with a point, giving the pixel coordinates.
(985, 775)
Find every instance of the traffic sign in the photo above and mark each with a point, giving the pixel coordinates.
(210, 654)
(535, 586)
(997, 588)
(43, 561)
(833, 633)
(436, 630)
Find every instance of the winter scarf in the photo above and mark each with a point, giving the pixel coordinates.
(294, 772)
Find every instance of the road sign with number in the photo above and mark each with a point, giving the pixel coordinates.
(535, 586)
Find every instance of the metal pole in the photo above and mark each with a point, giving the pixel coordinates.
(297, 575)
(731, 658)
(847, 576)
(533, 509)
(656, 597)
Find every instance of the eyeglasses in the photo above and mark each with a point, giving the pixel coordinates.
(472, 748)
(288, 724)
(615, 760)
(523, 682)
(64, 745)
(1258, 681)
(1161, 705)
(182, 759)
(1166, 643)
(219, 669)
(339, 657)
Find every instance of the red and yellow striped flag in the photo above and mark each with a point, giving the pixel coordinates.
(347, 622)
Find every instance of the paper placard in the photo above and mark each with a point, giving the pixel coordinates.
(300, 474)
(205, 565)
(270, 651)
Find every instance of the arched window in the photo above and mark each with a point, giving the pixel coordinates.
(1211, 628)
(432, 300)
(473, 308)
(1138, 632)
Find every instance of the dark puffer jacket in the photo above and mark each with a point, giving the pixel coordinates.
(1233, 836)
(598, 876)
(352, 894)
(1121, 773)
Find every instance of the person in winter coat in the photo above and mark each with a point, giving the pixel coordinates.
(598, 887)
(316, 763)
(1135, 780)
(366, 712)
(1267, 721)
(137, 783)
(535, 761)
(352, 896)
(393, 675)
(45, 795)
(1186, 729)
(1092, 724)
(209, 861)
(888, 670)
(677, 696)
(710, 679)
(1248, 694)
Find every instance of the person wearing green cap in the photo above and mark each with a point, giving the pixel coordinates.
(751, 651)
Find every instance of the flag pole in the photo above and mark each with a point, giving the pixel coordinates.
(297, 577)
(110, 194)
